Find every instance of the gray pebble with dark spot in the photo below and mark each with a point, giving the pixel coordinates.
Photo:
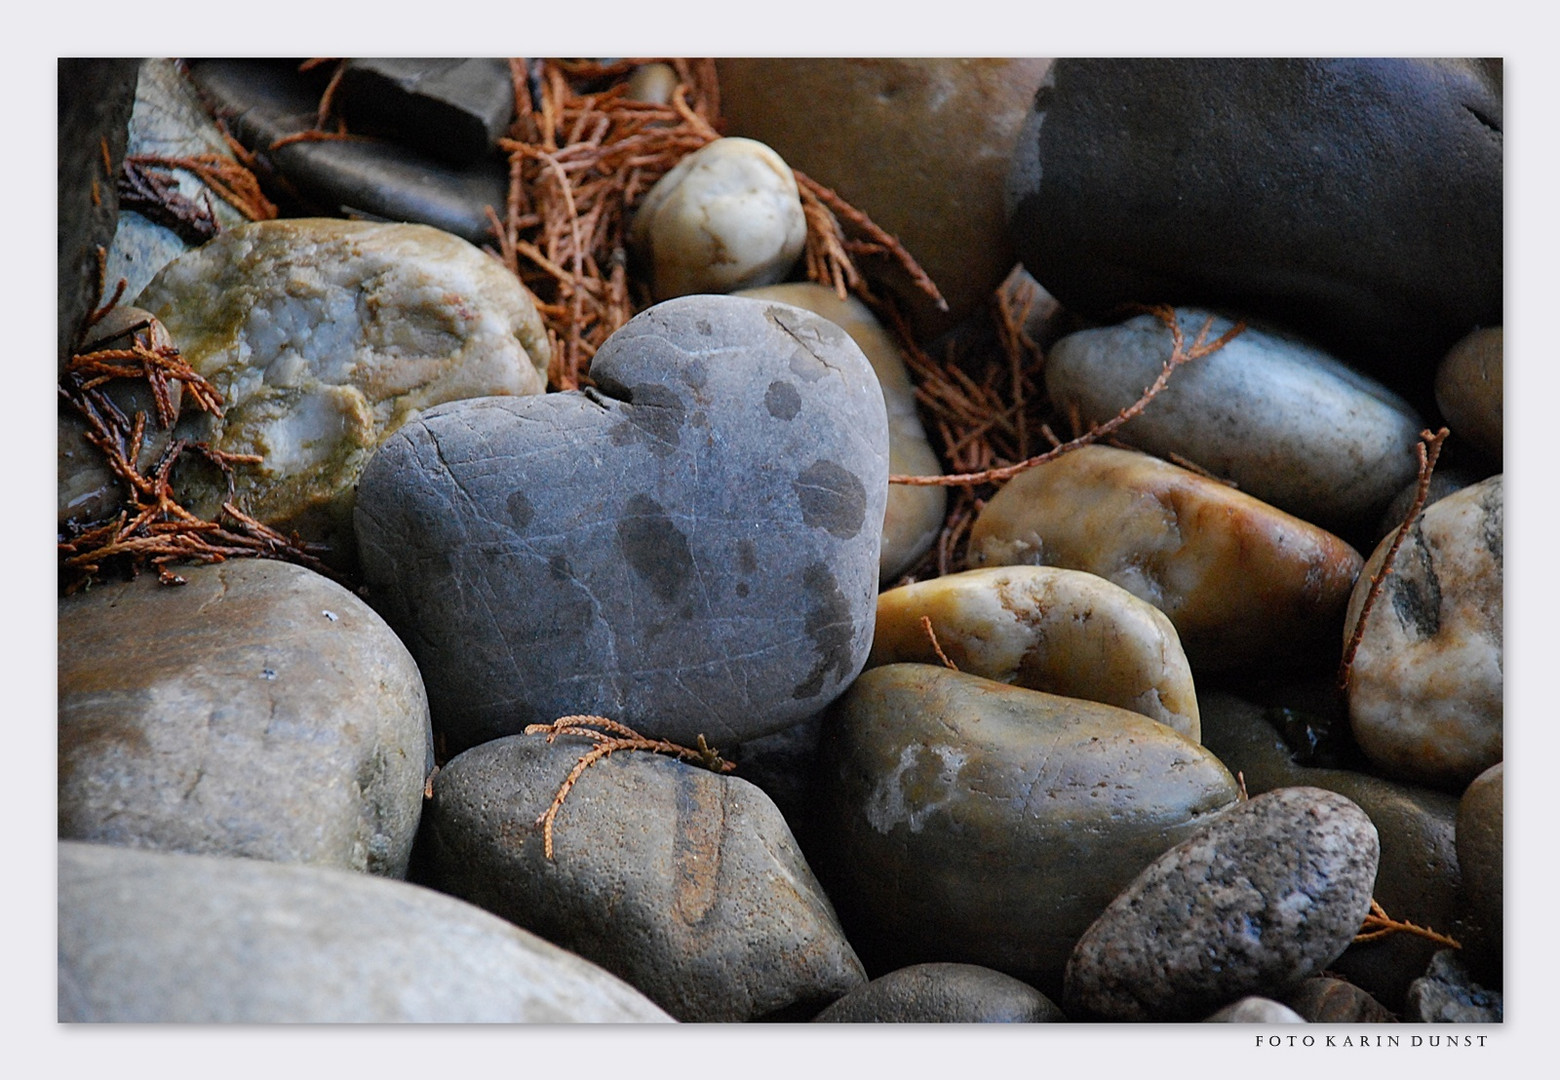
(689, 547)
(1268, 894)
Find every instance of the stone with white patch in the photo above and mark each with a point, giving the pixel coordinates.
(974, 822)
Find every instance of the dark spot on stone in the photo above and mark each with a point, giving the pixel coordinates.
(654, 547)
(699, 420)
(1416, 591)
(742, 589)
(558, 566)
(654, 415)
(747, 557)
(695, 374)
(686, 613)
(829, 626)
(782, 400)
(704, 327)
(832, 498)
(519, 509)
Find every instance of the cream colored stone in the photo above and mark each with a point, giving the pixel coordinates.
(727, 216)
(915, 514)
(1426, 698)
(325, 336)
(1241, 580)
(653, 83)
(1064, 632)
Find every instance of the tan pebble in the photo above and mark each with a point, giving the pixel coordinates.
(1064, 632)
(1469, 390)
(1241, 581)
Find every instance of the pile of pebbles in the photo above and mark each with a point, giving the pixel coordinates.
(1102, 772)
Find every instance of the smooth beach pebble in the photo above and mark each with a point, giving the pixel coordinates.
(684, 883)
(974, 822)
(1241, 580)
(153, 938)
(1481, 819)
(689, 547)
(915, 514)
(1470, 391)
(259, 710)
(1287, 422)
(323, 337)
(1065, 632)
(1426, 689)
(1256, 1010)
(943, 994)
(727, 216)
(1268, 894)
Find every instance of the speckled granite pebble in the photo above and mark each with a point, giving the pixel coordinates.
(1446, 994)
(1268, 894)
(943, 994)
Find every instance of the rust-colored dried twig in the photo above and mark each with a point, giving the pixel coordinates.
(1378, 924)
(931, 635)
(147, 186)
(614, 737)
(1429, 450)
(1180, 353)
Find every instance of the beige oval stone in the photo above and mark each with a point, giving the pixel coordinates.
(915, 514)
(1065, 632)
(727, 216)
(1241, 581)
(1426, 691)
(325, 336)
(975, 822)
(922, 145)
(1470, 390)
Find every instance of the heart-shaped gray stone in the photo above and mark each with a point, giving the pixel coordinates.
(690, 547)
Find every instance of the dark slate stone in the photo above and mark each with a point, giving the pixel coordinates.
(263, 101)
(454, 109)
(95, 100)
(1358, 201)
(678, 559)
(1324, 1000)
(943, 994)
